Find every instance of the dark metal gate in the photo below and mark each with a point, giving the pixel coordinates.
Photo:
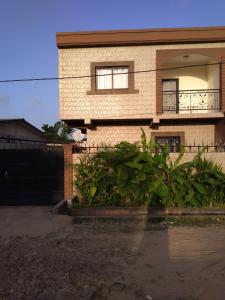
(31, 176)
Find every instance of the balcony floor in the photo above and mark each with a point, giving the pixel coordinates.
(208, 115)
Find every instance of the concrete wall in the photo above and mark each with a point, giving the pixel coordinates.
(217, 157)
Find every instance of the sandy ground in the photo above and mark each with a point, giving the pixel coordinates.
(44, 256)
(30, 221)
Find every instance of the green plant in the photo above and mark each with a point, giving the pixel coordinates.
(58, 132)
(208, 181)
(139, 174)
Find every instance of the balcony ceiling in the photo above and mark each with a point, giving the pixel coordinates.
(190, 59)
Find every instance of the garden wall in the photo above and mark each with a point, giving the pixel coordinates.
(71, 158)
(217, 157)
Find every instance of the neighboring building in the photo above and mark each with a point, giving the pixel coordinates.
(19, 131)
(175, 104)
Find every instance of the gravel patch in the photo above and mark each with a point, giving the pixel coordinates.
(114, 260)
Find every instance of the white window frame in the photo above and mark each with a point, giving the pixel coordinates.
(110, 72)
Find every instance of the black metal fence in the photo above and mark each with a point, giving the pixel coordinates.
(192, 148)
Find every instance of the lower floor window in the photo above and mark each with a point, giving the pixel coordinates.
(172, 141)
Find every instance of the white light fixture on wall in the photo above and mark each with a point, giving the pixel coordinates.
(186, 57)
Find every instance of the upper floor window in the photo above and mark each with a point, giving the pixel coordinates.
(112, 78)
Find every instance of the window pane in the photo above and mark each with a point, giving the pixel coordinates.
(120, 81)
(169, 85)
(105, 80)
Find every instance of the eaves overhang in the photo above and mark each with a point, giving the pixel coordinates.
(109, 121)
(140, 37)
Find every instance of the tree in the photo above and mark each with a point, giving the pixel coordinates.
(58, 132)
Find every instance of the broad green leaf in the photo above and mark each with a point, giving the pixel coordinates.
(93, 190)
(180, 180)
(190, 196)
(180, 156)
(163, 190)
(141, 177)
(134, 165)
(154, 184)
(179, 199)
(174, 189)
(200, 188)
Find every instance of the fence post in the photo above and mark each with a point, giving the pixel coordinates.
(68, 172)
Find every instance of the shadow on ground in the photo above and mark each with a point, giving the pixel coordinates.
(113, 259)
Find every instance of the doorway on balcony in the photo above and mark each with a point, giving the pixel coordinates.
(171, 95)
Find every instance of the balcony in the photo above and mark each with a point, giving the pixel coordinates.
(191, 101)
(191, 87)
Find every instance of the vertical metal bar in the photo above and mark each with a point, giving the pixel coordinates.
(190, 104)
(177, 101)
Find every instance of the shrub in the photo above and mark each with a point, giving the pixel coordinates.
(138, 174)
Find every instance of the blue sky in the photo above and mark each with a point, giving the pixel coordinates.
(28, 48)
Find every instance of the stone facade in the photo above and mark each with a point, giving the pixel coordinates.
(77, 104)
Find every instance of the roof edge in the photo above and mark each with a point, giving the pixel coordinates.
(26, 124)
(139, 36)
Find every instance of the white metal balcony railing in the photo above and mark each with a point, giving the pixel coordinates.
(191, 101)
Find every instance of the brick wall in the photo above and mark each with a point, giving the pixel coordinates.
(68, 172)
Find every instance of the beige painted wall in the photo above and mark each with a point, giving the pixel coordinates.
(217, 157)
(114, 134)
(213, 77)
(190, 79)
(76, 104)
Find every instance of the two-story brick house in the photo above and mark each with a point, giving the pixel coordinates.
(171, 82)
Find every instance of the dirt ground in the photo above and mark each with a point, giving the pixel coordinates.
(122, 259)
